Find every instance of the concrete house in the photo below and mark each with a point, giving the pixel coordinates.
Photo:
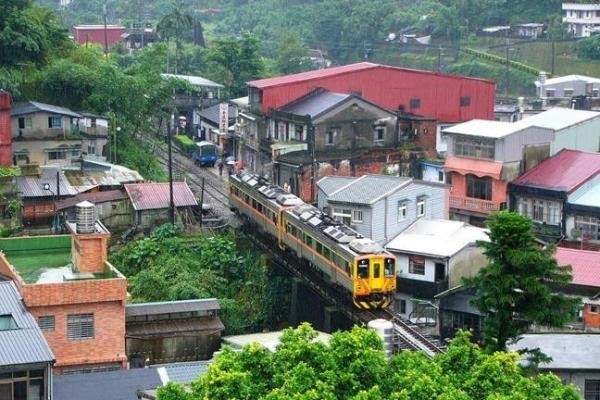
(566, 87)
(560, 196)
(381, 206)
(327, 133)
(25, 357)
(432, 256)
(483, 156)
(582, 19)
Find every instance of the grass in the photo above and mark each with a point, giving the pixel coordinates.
(31, 265)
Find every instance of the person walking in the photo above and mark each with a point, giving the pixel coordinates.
(220, 168)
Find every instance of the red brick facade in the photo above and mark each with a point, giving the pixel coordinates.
(89, 251)
(591, 319)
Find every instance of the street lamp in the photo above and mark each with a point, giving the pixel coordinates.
(46, 187)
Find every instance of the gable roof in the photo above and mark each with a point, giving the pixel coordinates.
(26, 344)
(368, 189)
(340, 70)
(437, 237)
(315, 103)
(568, 78)
(565, 171)
(151, 196)
(585, 265)
(30, 107)
(331, 183)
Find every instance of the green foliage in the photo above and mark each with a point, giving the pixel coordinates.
(9, 172)
(169, 266)
(502, 61)
(513, 290)
(589, 48)
(185, 143)
(292, 54)
(353, 366)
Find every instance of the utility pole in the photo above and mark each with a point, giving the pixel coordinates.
(313, 172)
(105, 31)
(507, 78)
(439, 66)
(170, 150)
(553, 55)
(201, 202)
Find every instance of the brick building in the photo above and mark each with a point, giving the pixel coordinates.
(76, 295)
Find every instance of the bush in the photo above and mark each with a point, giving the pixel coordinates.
(185, 144)
(589, 48)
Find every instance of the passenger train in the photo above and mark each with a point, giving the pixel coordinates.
(357, 264)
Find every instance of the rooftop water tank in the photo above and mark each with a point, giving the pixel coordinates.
(385, 330)
(86, 217)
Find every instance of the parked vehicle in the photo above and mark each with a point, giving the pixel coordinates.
(205, 154)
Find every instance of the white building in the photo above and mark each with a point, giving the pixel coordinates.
(582, 19)
(565, 87)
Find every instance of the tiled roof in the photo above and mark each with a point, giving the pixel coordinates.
(565, 171)
(585, 264)
(478, 168)
(166, 307)
(315, 103)
(331, 183)
(367, 189)
(151, 196)
(26, 344)
(30, 107)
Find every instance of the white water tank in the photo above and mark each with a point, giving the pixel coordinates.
(85, 217)
(385, 330)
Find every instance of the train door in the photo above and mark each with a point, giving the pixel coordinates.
(377, 274)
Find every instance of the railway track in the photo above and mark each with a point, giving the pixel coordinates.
(406, 335)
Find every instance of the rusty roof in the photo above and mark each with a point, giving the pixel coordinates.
(152, 196)
(93, 197)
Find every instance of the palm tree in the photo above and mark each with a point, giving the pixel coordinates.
(173, 24)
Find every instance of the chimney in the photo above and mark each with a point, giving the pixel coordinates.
(6, 155)
(90, 240)
(542, 80)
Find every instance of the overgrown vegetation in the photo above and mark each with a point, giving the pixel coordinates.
(170, 266)
(353, 367)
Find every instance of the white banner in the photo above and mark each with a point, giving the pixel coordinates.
(223, 117)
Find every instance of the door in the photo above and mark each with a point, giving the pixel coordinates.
(440, 272)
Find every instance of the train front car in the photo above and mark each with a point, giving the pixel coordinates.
(374, 275)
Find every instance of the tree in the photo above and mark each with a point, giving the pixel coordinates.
(589, 48)
(292, 55)
(173, 26)
(518, 286)
(353, 366)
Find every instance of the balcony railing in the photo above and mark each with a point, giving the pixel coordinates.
(471, 204)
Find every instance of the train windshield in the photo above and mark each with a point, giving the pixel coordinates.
(363, 268)
(389, 267)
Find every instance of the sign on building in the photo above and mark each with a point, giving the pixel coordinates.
(223, 117)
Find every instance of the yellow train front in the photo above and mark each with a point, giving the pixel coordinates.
(344, 258)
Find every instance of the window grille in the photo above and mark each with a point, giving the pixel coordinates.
(80, 326)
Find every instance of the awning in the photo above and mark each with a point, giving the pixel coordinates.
(475, 167)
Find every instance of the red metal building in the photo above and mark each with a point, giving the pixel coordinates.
(447, 98)
(6, 156)
(95, 34)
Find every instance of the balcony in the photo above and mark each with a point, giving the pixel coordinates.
(472, 204)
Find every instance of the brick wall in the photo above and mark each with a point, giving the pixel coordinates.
(108, 344)
(89, 251)
(591, 319)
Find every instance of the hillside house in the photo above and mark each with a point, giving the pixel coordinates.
(582, 19)
(564, 88)
(381, 206)
(483, 156)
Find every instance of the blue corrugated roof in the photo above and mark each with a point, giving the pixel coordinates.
(367, 189)
(25, 344)
(315, 103)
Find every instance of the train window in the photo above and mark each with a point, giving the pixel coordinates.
(259, 207)
(327, 252)
(319, 248)
(348, 268)
(363, 268)
(389, 267)
(308, 240)
(376, 270)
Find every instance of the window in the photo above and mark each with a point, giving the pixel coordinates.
(91, 150)
(401, 211)
(594, 309)
(403, 306)
(550, 92)
(299, 132)
(568, 92)
(57, 155)
(7, 322)
(591, 389)
(93, 122)
(379, 135)
(80, 326)
(357, 216)
(595, 92)
(476, 148)
(416, 265)
(415, 102)
(25, 123)
(46, 322)
(538, 210)
(420, 207)
(441, 176)
(363, 269)
(343, 215)
(465, 101)
(389, 267)
(588, 227)
(479, 188)
(55, 122)
(330, 138)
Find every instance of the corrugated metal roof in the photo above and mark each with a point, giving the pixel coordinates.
(566, 351)
(184, 372)
(26, 344)
(478, 168)
(166, 307)
(33, 186)
(315, 103)
(439, 238)
(151, 196)
(588, 194)
(30, 107)
(94, 197)
(568, 78)
(331, 183)
(585, 264)
(368, 188)
(194, 80)
(565, 171)
(174, 327)
(113, 175)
